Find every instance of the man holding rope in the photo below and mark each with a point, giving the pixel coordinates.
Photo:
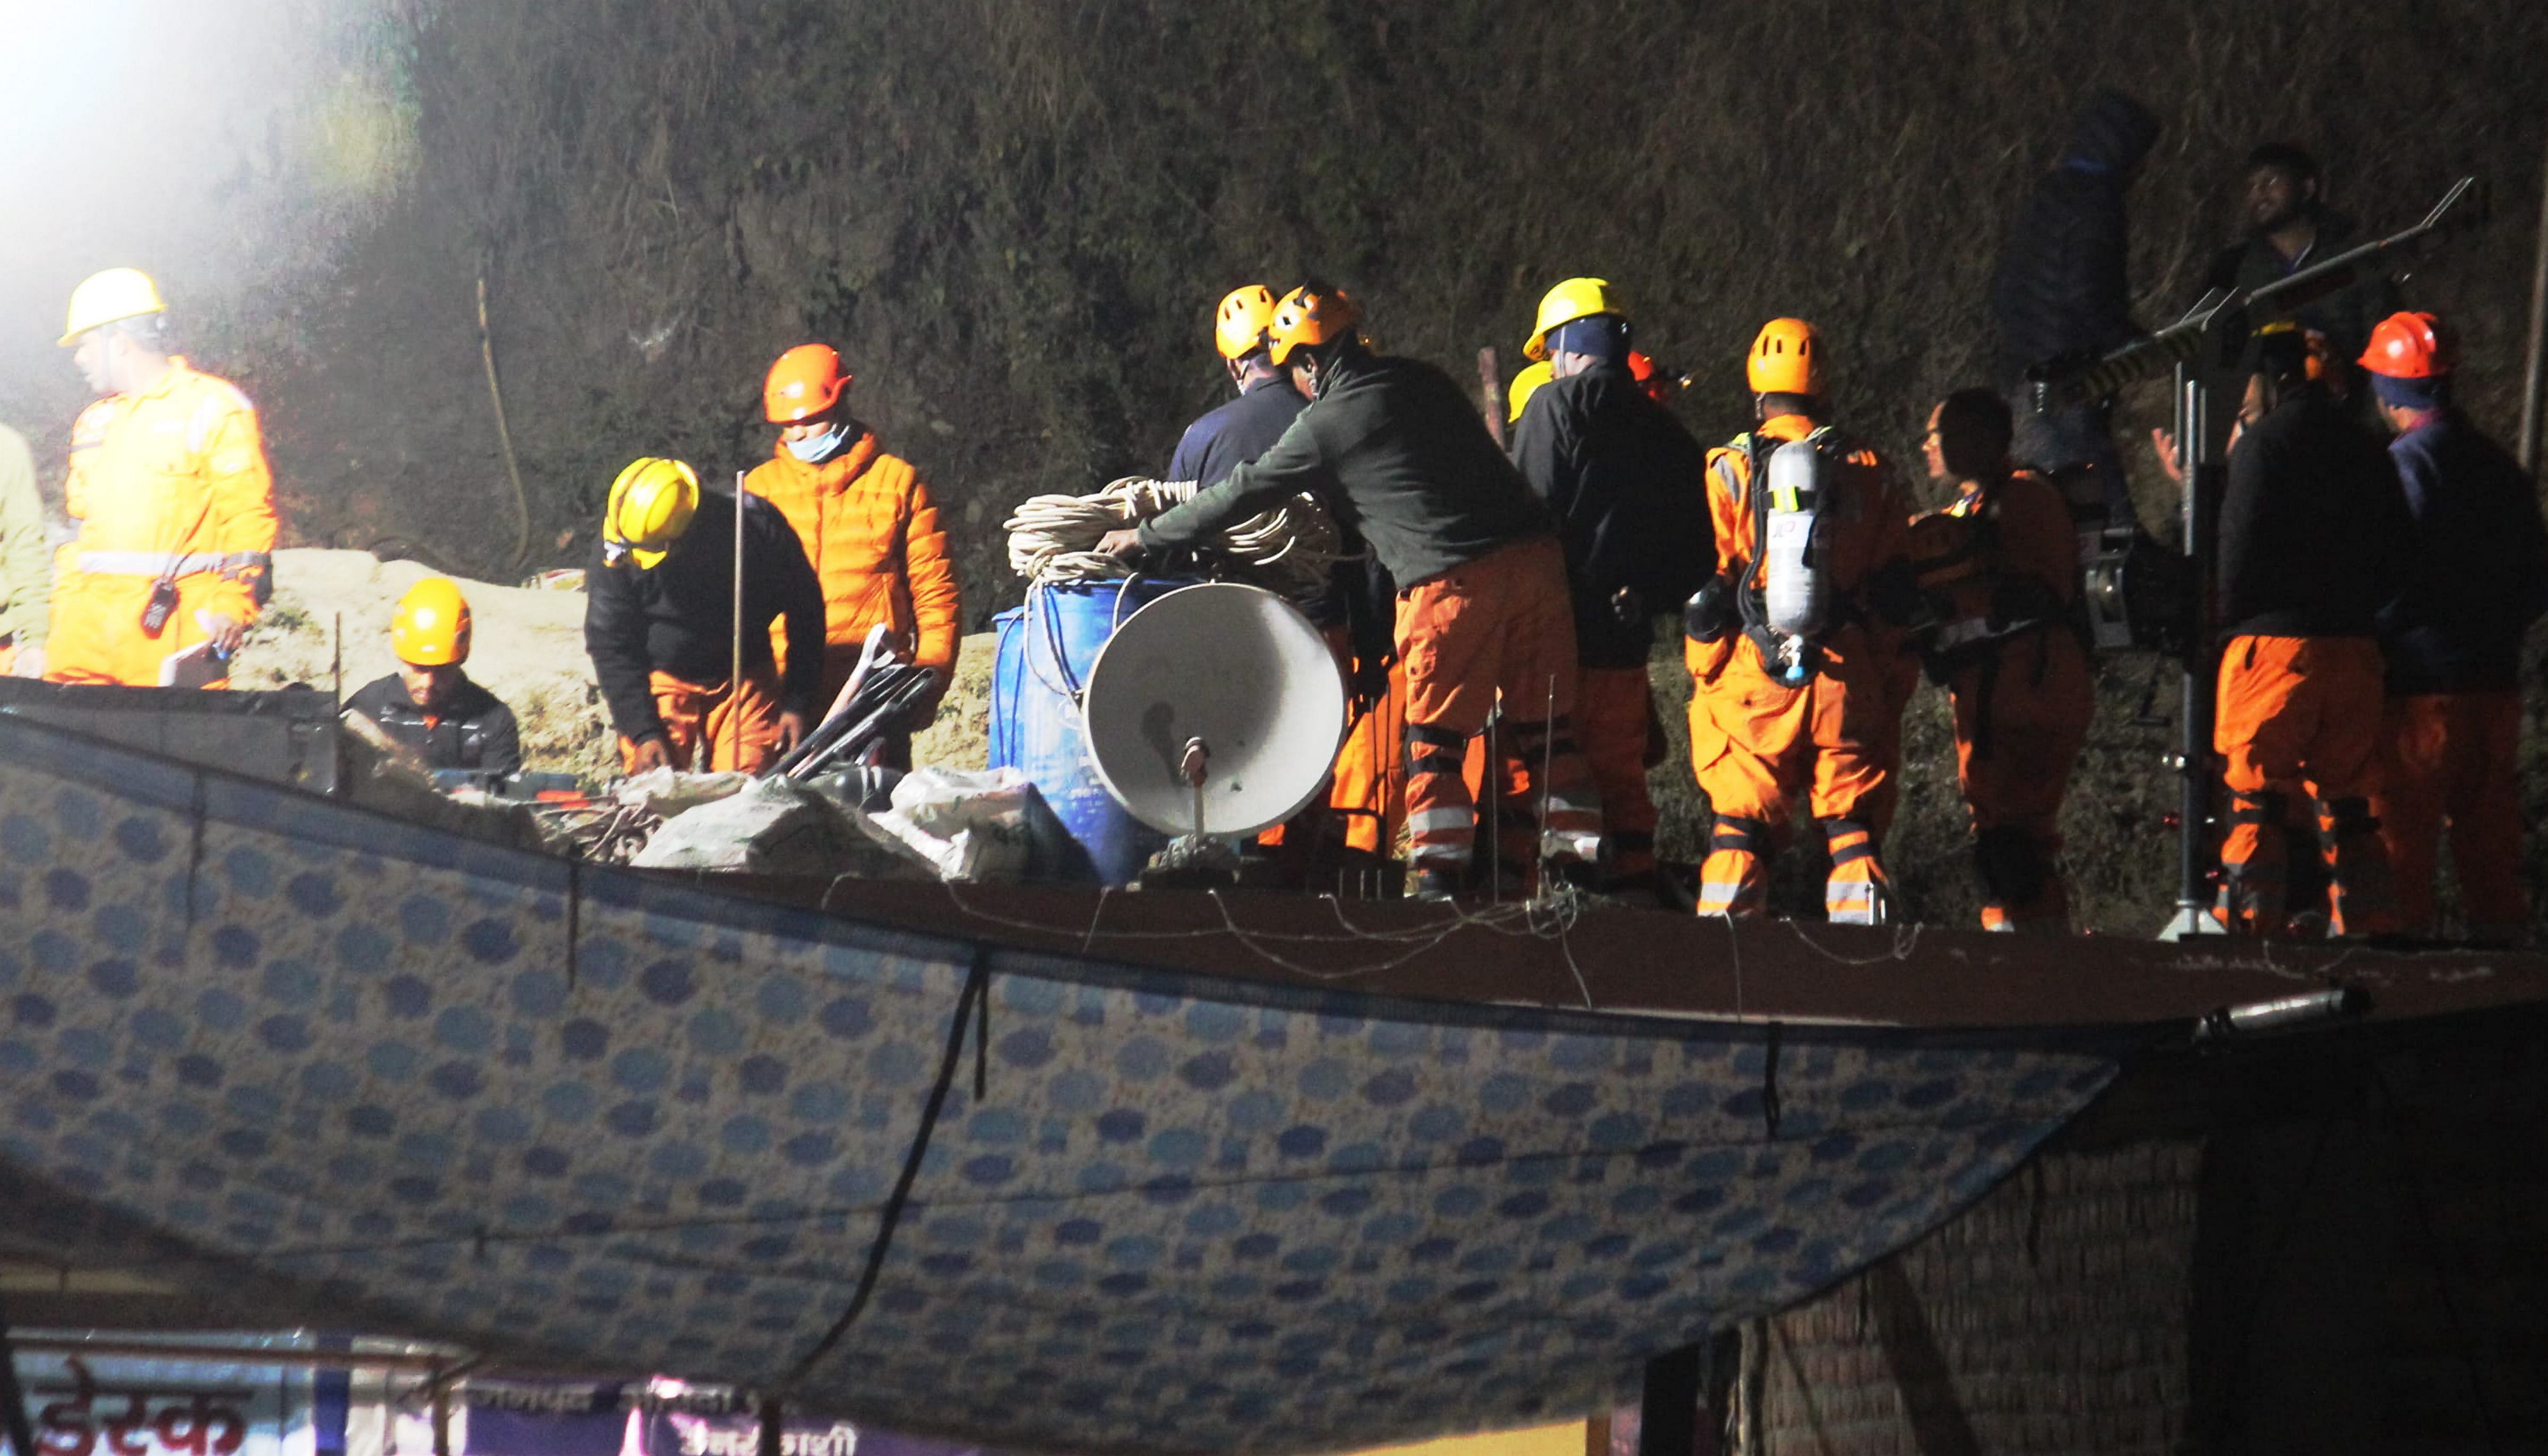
(1397, 450)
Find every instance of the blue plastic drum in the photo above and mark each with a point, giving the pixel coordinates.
(1046, 649)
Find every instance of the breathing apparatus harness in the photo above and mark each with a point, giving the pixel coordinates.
(1789, 638)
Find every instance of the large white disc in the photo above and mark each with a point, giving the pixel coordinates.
(1238, 668)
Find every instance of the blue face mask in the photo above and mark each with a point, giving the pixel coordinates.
(815, 449)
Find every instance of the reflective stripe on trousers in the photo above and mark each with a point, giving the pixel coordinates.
(165, 564)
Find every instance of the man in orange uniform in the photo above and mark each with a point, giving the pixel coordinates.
(2477, 576)
(2310, 527)
(1398, 452)
(1996, 572)
(169, 484)
(1778, 714)
(867, 525)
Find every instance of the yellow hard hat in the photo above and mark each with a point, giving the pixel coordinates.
(1310, 316)
(1576, 297)
(104, 298)
(1244, 315)
(431, 628)
(1786, 359)
(651, 506)
(1525, 384)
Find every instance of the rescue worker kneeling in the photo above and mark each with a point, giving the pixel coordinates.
(1397, 451)
(2309, 526)
(430, 704)
(1988, 584)
(659, 620)
(1792, 696)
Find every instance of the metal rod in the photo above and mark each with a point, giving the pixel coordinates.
(734, 684)
(441, 1416)
(2535, 367)
(504, 432)
(2194, 801)
(111, 1350)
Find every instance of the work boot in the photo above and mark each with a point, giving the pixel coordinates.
(1437, 884)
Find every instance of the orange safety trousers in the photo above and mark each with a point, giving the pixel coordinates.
(1367, 796)
(2022, 717)
(2299, 718)
(1497, 629)
(709, 730)
(1613, 707)
(2452, 759)
(1758, 746)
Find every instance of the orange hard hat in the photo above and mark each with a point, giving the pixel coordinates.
(1310, 316)
(1786, 359)
(1239, 329)
(2411, 347)
(806, 381)
(431, 628)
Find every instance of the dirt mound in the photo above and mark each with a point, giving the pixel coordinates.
(526, 647)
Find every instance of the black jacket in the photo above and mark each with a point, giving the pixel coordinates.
(472, 730)
(2059, 286)
(2346, 316)
(1236, 432)
(1627, 486)
(1239, 431)
(2312, 525)
(2477, 564)
(678, 618)
(1400, 453)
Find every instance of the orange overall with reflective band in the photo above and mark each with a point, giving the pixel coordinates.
(1759, 745)
(170, 484)
(2299, 718)
(1498, 625)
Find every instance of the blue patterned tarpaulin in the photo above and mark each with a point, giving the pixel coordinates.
(597, 1120)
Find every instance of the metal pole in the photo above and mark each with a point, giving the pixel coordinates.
(2537, 368)
(2202, 476)
(734, 682)
(441, 1414)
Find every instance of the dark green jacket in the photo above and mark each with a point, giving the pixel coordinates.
(1400, 453)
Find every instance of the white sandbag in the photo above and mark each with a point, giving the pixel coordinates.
(666, 792)
(965, 825)
(767, 826)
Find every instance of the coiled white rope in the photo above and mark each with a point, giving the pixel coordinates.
(1054, 538)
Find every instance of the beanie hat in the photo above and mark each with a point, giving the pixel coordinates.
(1602, 336)
(2410, 394)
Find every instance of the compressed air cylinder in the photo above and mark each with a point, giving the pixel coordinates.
(1796, 566)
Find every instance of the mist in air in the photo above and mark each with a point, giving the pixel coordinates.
(226, 149)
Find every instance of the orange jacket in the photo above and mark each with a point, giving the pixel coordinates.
(2015, 532)
(871, 532)
(171, 481)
